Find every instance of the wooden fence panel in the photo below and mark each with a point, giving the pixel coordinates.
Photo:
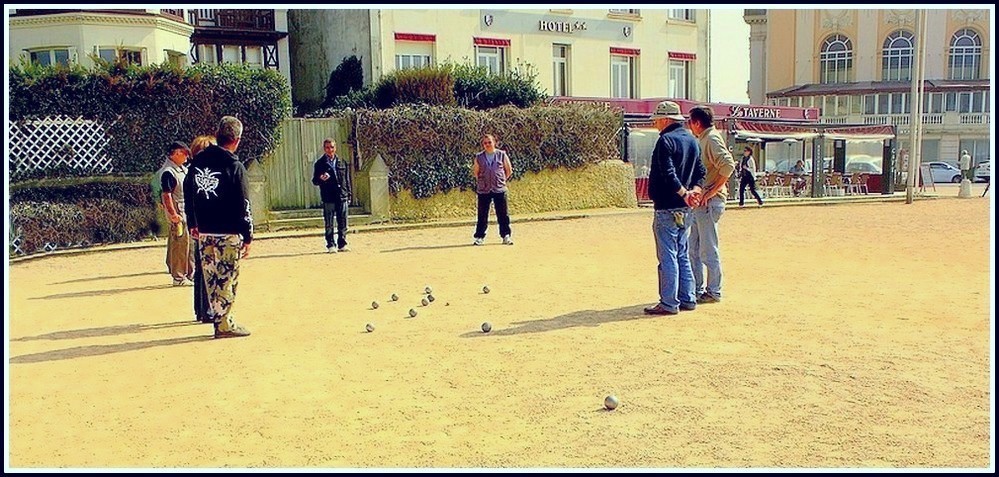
(289, 167)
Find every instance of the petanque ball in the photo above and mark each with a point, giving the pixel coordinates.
(395, 297)
(369, 327)
(425, 302)
(486, 327)
(485, 289)
(412, 312)
(430, 297)
(611, 402)
(428, 290)
(374, 304)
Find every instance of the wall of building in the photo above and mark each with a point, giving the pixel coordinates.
(781, 30)
(590, 73)
(318, 40)
(82, 32)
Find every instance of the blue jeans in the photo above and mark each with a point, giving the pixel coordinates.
(676, 281)
(704, 246)
(335, 213)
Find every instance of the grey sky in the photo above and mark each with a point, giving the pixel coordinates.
(729, 56)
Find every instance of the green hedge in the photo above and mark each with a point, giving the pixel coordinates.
(149, 107)
(447, 84)
(429, 149)
(50, 214)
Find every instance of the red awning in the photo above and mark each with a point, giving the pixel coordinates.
(422, 37)
(677, 55)
(772, 130)
(625, 51)
(878, 132)
(491, 41)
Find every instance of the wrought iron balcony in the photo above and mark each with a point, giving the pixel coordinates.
(233, 19)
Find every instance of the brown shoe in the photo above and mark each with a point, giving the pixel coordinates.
(237, 331)
(707, 298)
(659, 309)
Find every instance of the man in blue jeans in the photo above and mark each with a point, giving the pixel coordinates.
(331, 175)
(719, 165)
(675, 178)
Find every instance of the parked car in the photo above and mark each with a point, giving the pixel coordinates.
(944, 172)
(860, 166)
(984, 172)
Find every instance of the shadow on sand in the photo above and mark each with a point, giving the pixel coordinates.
(104, 331)
(98, 350)
(569, 320)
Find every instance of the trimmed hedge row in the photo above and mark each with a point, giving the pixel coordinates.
(149, 107)
(429, 149)
(56, 214)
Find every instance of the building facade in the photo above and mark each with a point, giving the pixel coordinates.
(151, 36)
(623, 53)
(856, 66)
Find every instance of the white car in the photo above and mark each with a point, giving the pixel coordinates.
(944, 172)
(984, 171)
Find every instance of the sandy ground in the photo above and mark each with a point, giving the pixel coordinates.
(850, 336)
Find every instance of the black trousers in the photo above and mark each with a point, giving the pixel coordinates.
(748, 180)
(502, 214)
(200, 290)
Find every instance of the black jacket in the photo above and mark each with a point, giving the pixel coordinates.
(217, 196)
(676, 161)
(337, 187)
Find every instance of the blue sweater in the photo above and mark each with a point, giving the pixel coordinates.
(676, 162)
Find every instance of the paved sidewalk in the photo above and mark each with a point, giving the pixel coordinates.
(643, 208)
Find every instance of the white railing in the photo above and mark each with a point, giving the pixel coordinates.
(58, 141)
(976, 118)
(935, 118)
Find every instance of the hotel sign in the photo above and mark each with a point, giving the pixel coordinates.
(560, 27)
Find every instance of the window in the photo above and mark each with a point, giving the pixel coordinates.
(933, 103)
(492, 57)
(896, 61)
(681, 14)
(560, 68)
(175, 58)
(623, 76)
(857, 105)
(403, 62)
(929, 150)
(132, 56)
(207, 54)
(965, 55)
(50, 57)
(836, 60)
(870, 104)
(231, 54)
(253, 56)
(978, 148)
(623, 11)
(679, 79)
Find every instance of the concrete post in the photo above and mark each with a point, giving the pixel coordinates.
(378, 182)
(259, 205)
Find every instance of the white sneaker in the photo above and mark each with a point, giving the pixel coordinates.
(330, 249)
(344, 249)
(507, 240)
(478, 241)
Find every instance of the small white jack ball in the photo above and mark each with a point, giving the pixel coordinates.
(611, 402)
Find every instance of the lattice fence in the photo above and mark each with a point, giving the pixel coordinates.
(58, 142)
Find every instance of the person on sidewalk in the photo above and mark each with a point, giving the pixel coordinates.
(491, 168)
(170, 177)
(219, 215)
(674, 186)
(747, 176)
(331, 175)
(201, 306)
(719, 165)
(966, 169)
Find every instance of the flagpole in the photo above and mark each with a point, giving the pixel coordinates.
(914, 109)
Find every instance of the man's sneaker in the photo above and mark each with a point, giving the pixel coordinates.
(178, 282)
(707, 298)
(237, 331)
(330, 249)
(659, 309)
(507, 240)
(478, 241)
(344, 249)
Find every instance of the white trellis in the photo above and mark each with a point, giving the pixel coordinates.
(58, 141)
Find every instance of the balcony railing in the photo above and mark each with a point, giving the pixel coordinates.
(175, 12)
(232, 18)
(975, 118)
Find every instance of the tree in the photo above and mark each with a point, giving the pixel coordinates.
(347, 77)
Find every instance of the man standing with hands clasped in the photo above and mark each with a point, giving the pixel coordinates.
(330, 174)
(674, 186)
(719, 165)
